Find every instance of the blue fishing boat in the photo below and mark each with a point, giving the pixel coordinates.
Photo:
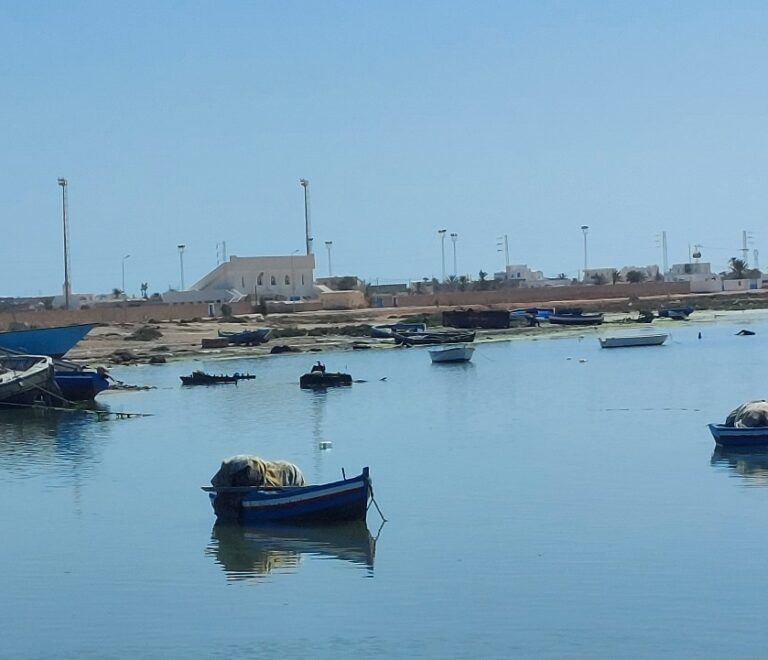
(732, 436)
(81, 384)
(324, 503)
(247, 337)
(53, 342)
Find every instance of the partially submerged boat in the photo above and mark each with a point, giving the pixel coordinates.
(26, 379)
(449, 354)
(338, 501)
(633, 340)
(320, 379)
(676, 313)
(247, 337)
(53, 342)
(202, 378)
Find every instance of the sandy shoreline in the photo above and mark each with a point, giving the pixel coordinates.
(111, 344)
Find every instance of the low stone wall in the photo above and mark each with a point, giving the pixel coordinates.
(127, 313)
(523, 297)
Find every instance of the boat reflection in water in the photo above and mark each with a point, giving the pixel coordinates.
(253, 552)
(749, 463)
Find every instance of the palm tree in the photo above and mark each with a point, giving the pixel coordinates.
(738, 266)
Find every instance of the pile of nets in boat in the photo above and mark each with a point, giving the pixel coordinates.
(249, 470)
(748, 415)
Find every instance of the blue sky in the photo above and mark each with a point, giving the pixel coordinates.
(192, 122)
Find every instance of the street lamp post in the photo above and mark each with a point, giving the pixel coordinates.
(585, 229)
(454, 238)
(305, 184)
(127, 256)
(328, 245)
(442, 232)
(67, 292)
(181, 247)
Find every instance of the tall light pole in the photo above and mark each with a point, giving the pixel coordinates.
(328, 245)
(127, 256)
(502, 245)
(305, 184)
(454, 238)
(442, 233)
(585, 229)
(181, 247)
(67, 288)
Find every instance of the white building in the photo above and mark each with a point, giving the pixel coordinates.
(266, 278)
(520, 273)
(699, 274)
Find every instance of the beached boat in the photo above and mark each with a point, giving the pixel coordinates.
(53, 342)
(537, 312)
(433, 337)
(576, 319)
(633, 340)
(459, 353)
(25, 379)
(79, 384)
(246, 552)
(732, 436)
(332, 502)
(320, 379)
(385, 331)
(676, 313)
(202, 378)
(247, 337)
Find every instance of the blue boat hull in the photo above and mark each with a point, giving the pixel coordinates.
(334, 502)
(730, 436)
(54, 342)
(81, 385)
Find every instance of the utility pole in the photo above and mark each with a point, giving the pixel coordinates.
(64, 212)
(584, 230)
(744, 248)
(328, 246)
(181, 247)
(305, 184)
(441, 233)
(502, 245)
(454, 238)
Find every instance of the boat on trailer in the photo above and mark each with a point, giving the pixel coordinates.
(338, 501)
(632, 340)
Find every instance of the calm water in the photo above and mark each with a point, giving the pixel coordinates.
(550, 499)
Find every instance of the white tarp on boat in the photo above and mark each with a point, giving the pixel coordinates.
(749, 415)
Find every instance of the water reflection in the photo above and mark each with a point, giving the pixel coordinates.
(31, 440)
(255, 552)
(749, 463)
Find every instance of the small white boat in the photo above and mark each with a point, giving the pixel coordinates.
(23, 378)
(633, 340)
(460, 353)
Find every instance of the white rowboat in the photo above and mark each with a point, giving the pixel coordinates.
(634, 340)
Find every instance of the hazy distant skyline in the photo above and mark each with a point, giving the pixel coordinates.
(193, 122)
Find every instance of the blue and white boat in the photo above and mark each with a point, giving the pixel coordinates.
(81, 384)
(387, 331)
(332, 502)
(247, 337)
(732, 436)
(53, 342)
